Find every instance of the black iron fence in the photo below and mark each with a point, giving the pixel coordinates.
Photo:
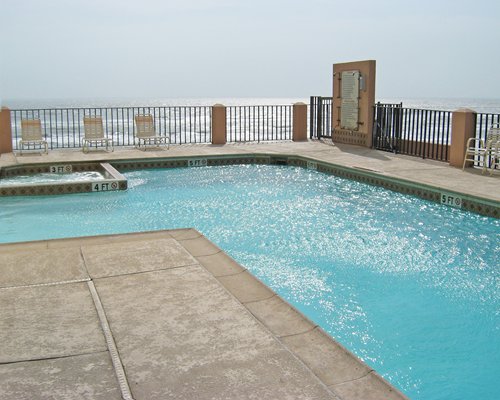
(484, 122)
(63, 127)
(320, 117)
(416, 132)
(259, 123)
(420, 132)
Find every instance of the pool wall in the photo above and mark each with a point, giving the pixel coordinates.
(113, 180)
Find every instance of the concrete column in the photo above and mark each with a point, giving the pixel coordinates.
(5, 131)
(299, 127)
(463, 127)
(218, 124)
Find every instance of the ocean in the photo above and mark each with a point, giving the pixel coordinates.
(446, 104)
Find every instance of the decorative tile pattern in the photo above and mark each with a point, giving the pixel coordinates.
(430, 194)
(50, 189)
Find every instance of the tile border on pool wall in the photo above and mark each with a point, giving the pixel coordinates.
(116, 180)
(476, 205)
(183, 162)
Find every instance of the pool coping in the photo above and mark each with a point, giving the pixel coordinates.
(343, 374)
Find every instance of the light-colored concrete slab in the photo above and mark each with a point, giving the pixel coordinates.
(245, 287)
(369, 387)
(91, 240)
(48, 321)
(130, 257)
(182, 336)
(89, 376)
(331, 362)
(39, 245)
(28, 267)
(200, 246)
(281, 318)
(183, 234)
(220, 264)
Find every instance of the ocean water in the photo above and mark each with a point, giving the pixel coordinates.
(446, 104)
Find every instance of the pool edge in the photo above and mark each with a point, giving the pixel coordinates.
(316, 350)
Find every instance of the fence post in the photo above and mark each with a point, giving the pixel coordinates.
(5, 131)
(299, 127)
(463, 127)
(218, 124)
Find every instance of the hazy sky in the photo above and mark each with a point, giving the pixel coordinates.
(252, 48)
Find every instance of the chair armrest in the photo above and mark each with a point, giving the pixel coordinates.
(475, 140)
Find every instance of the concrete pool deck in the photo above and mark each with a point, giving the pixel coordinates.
(159, 315)
(168, 315)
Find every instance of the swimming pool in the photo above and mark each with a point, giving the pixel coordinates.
(410, 286)
(51, 177)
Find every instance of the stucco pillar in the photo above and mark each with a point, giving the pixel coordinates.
(5, 131)
(218, 124)
(299, 127)
(463, 127)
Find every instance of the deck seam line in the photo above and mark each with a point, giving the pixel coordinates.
(47, 284)
(353, 380)
(110, 342)
(147, 271)
(52, 358)
(299, 333)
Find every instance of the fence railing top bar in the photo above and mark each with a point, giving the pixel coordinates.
(489, 114)
(376, 105)
(99, 108)
(260, 105)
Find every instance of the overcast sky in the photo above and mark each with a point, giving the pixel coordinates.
(253, 48)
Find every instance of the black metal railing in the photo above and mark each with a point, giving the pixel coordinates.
(258, 123)
(484, 121)
(63, 127)
(320, 117)
(387, 126)
(417, 132)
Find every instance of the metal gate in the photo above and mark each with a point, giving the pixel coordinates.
(320, 117)
(387, 126)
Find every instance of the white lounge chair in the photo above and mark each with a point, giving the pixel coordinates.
(94, 134)
(492, 154)
(489, 152)
(31, 135)
(146, 132)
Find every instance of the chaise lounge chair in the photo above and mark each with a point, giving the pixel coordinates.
(146, 133)
(489, 151)
(94, 134)
(31, 135)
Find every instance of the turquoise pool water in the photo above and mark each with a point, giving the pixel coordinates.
(51, 178)
(410, 286)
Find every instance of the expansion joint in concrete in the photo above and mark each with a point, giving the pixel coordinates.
(110, 342)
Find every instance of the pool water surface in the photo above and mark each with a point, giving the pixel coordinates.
(409, 286)
(52, 178)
